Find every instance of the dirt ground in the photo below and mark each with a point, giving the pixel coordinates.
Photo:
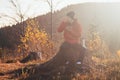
(6, 67)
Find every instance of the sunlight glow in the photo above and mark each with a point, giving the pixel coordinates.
(32, 8)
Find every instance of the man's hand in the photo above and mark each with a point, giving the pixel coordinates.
(69, 28)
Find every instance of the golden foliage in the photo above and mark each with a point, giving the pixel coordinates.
(34, 39)
(118, 53)
(95, 42)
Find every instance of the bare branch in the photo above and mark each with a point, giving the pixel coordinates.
(13, 3)
(4, 15)
(49, 3)
(29, 7)
(17, 7)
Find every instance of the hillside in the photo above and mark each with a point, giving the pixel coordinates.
(97, 14)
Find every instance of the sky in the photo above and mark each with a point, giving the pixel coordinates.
(32, 8)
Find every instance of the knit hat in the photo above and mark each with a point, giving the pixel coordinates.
(71, 14)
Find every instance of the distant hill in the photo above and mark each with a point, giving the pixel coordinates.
(10, 36)
(105, 16)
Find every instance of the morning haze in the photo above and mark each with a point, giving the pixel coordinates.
(106, 18)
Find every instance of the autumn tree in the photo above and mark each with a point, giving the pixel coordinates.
(96, 44)
(35, 40)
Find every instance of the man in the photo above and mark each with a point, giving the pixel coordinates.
(71, 49)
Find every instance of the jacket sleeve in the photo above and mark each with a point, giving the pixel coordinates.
(62, 27)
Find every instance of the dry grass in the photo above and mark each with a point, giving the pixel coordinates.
(103, 69)
(5, 67)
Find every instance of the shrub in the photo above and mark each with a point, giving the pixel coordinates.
(35, 40)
